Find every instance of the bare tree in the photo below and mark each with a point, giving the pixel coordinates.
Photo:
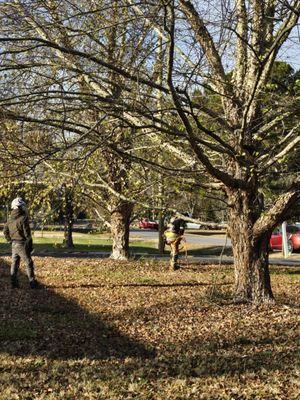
(208, 113)
(62, 95)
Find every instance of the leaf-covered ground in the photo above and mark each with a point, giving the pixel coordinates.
(99, 329)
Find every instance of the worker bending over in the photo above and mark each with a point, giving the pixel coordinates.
(173, 237)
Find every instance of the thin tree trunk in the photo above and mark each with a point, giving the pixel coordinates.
(120, 223)
(68, 233)
(160, 77)
(68, 219)
(161, 231)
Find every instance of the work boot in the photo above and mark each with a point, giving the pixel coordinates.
(174, 266)
(14, 283)
(33, 284)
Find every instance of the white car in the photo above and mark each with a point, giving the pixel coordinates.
(192, 225)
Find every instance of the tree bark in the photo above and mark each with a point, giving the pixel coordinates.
(251, 261)
(68, 233)
(68, 218)
(161, 231)
(120, 223)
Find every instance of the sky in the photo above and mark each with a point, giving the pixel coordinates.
(290, 52)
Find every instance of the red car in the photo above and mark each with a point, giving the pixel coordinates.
(293, 234)
(144, 223)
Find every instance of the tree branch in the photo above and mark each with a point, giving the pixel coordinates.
(276, 214)
(206, 41)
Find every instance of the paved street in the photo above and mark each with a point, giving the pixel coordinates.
(203, 240)
(208, 240)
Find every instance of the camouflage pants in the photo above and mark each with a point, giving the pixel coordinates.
(175, 253)
(20, 252)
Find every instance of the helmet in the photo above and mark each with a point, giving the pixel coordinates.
(17, 202)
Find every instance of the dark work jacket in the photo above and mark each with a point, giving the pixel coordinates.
(17, 228)
(178, 226)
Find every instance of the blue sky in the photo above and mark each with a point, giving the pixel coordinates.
(290, 52)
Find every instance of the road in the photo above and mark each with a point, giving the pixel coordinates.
(207, 240)
(202, 240)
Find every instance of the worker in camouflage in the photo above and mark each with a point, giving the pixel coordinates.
(173, 237)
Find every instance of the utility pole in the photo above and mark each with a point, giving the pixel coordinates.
(285, 249)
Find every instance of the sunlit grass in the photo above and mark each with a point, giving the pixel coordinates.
(52, 242)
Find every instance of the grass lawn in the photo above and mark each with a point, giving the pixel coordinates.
(52, 242)
(99, 329)
(49, 242)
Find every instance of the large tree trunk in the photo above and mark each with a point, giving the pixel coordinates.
(120, 223)
(251, 262)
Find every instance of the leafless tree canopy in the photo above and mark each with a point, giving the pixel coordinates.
(187, 80)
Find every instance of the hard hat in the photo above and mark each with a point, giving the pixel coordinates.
(17, 202)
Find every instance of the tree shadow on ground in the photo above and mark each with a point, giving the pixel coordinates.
(211, 251)
(214, 364)
(134, 285)
(227, 353)
(241, 354)
(287, 272)
(43, 323)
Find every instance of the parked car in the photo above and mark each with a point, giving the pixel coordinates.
(192, 225)
(144, 223)
(293, 235)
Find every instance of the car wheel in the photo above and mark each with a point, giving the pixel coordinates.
(290, 247)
